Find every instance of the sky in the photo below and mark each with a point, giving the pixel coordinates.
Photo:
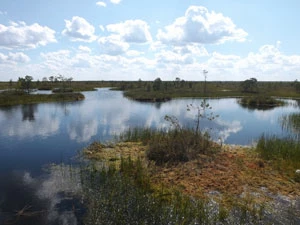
(133, 39)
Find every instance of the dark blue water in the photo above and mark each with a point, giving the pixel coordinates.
(32, 137)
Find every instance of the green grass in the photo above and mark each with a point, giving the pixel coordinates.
(283, 152)
(9, 98)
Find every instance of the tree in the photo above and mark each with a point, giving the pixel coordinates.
(157, 84)
(51, 79)
(297, 85)
(25, 83)
(177, 82)
(69, 80)
(205, 76)
(10, 84)
(249, 85)
(45, 80)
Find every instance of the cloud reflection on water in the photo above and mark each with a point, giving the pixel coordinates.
(104, 114)
(60, 186)
(30, 125)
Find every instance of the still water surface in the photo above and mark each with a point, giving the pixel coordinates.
(32, 137)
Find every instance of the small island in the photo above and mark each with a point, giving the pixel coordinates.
(23, 93)
(260, 102)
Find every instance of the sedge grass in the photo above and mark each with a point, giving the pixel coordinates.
(283, 152)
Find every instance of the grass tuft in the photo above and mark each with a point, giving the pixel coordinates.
(283, 152)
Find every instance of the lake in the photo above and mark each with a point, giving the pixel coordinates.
(35, 137)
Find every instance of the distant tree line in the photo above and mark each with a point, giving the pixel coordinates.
(26, 83)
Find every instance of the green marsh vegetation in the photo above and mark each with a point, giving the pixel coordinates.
(20, 93)
(284, 153)
(8, 98)
(159, 90)
(260, 102)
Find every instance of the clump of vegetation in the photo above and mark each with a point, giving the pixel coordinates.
(178, 145)
(283, 152)
(171, 146)
(260, 102)
(181, 144)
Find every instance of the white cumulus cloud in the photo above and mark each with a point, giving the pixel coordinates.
(198, 25)
(21, 35)
(78, 29)
(84, 49)
(14, 58)
(115, 1)
(102, 4)
(112, 45)
(132, 31)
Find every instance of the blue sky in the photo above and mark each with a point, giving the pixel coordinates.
(131, 40)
